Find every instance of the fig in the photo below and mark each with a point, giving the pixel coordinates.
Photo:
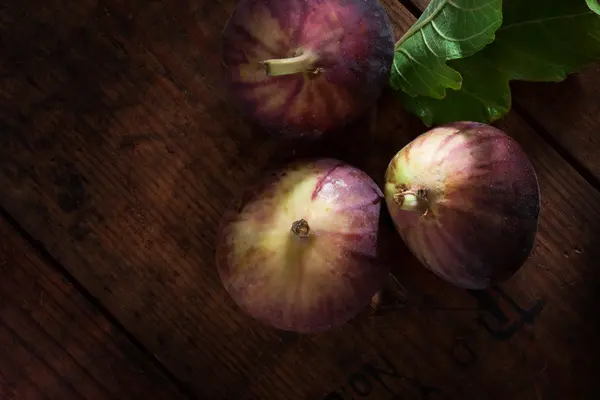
(306, 67)
(465, 199)
(298, 250)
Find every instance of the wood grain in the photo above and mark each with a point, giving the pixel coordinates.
(55, 345)
(132, 154)
(568, 111)
(119, 152)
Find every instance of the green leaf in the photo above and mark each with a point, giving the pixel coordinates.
(540, 40)
(594, 6)
(447, 30)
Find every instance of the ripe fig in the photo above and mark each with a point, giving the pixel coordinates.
(298, 251)
(306, 67)
(465, 199)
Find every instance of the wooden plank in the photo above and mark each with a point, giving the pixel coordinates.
(568, 111)
(136, 225)
(127, 157)
(55, 345)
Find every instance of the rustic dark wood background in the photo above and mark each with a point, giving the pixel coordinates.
(118, 154)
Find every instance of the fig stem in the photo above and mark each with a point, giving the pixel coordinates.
(305, 62)
(301, 228)
(410, 200)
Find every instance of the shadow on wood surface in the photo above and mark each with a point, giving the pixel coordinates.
(119, 152)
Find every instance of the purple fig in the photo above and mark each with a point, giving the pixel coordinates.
(306, 67)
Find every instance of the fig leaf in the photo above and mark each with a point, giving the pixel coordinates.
(539, 41)
(594, 6)
(447, 30)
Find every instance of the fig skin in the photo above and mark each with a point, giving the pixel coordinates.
(298, 279)
(465, 199)
(346, 49)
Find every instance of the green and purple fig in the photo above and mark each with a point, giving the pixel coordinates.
(299, 249)
(465, 199)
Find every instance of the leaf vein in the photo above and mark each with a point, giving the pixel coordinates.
(466, 39)
(543, 20)
(594, 36)
(425, 67)
(400, 73)
(418, 25)
(428, 45)
(407, 54)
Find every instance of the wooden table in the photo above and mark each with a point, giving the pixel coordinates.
(118, 154)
